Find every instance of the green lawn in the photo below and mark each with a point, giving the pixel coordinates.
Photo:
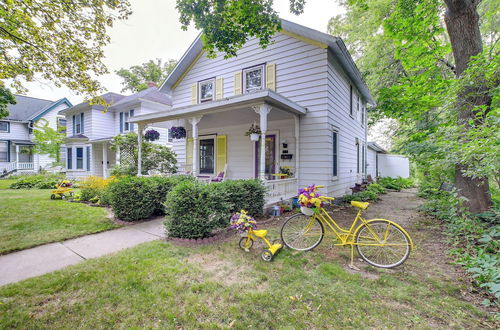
(160, 285)
(29, 218)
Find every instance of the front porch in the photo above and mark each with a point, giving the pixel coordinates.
(216, 140)
(20, 158)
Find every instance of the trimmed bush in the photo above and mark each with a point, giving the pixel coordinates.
(38, 181)
(195, 210)
(136, 198)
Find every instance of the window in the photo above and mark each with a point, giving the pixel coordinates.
(78, 123)
(335, 160)
(125, 126)
(207, 156)
(4, 151)
(357, 156)
(253, 78)
(61, 125)
(170, 137)
(350, 100)
(79, 158)
(206, 90)
(363, 160)
(69, 157)
(4, 126)
(363, 109)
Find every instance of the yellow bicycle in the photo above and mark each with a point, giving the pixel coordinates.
(380, 242)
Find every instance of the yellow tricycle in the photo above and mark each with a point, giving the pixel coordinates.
(62, 188)
(247, 225)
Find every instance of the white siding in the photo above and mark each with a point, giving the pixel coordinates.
(372, 163)
(102, 125)
(18, 131)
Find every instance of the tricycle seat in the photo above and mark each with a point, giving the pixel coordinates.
(260, 233)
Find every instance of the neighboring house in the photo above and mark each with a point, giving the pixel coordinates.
(16, 133)
(304, 91)
(381, 164)
(91, 128)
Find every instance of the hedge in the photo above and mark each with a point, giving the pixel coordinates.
(37, 181)
(195, 210)
(136, 198)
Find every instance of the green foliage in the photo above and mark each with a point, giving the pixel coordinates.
(395, 183)
(61, 40)
(38, 181)
(95, 189)
(6, 98)
(155, 157)
(137, 77)
(47, 139)
(475, 238)
(137, 198)
(371, 193)
(194, 209)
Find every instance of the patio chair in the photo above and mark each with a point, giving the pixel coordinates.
(221, 176)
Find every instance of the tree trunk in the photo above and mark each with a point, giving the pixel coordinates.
(462, 24)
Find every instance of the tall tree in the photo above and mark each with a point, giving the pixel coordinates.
(6, 98)
(462, 24)
(47, 139)
(137, 77)
(61, 40)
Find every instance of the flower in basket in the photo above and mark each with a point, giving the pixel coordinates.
(254, 129)
(242, 221)
(178, 132)
(308, 197)
(152, 135)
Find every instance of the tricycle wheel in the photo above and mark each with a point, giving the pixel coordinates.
(52, 196)
(267, 255)
(246, 243)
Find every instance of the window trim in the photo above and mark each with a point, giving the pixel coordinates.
(69, 158)
(244, 78)
(335, 155)
(201, 82)
(78, 121)
(76, 158)
(126, 127)
(8, 126)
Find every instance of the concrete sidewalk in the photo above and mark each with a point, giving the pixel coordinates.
(47, 258)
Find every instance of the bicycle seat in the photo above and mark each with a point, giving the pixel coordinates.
(361, 205)
(260, 233)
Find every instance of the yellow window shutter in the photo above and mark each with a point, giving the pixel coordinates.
(221, 153)
(237, 83)
(194, 94)
(189, 152)
(219, 88)
(271, 76)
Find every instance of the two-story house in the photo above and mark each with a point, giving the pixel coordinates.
(303, 90)
(16, 133)
(91, 128)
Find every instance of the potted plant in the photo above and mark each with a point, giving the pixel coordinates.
(254, 132)
(286, 172)
(178, 132)
(309, 200)
(152, 135)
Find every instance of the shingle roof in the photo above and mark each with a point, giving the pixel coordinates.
(151, 94)
(27, 107)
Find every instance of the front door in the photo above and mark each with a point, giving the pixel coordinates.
(207, 156)
(270, 157)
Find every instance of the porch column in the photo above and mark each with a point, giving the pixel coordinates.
(117, 155)
(140, 127)
(104, 159)
(17, 157)
(264, 110)
(297, 149)
(194, 124)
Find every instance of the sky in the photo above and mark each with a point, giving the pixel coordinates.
(153, 31)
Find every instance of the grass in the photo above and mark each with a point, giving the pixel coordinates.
(29, 218)
(220, 286)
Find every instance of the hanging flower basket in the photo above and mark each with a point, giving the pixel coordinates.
(178, 132)
(152, 135)
(254, 137)
(254, 132)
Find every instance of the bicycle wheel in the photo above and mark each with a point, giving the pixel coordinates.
(382, 244)
(302, 232)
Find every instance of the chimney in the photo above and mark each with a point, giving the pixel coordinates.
(151, 84)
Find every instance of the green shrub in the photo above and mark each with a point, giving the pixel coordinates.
(395, 183)
(370, 194)
(377, 188)
(38, 181)
(194, 210)
(136, 198)
(95, 189)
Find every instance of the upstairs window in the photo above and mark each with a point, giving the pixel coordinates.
(78, 124)
(61, 125)
(350, 100)
(4, 126)
(363, 114)
(206, 90)
(125, 126)
(253, 78)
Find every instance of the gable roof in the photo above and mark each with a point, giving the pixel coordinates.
(334, 44)
(110, 98)
(32, 108)
(150, 94)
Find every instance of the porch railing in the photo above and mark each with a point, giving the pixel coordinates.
(12, 166)
(280, 189)
(24, 166)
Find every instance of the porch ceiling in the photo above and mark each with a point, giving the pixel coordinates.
(239, 102)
